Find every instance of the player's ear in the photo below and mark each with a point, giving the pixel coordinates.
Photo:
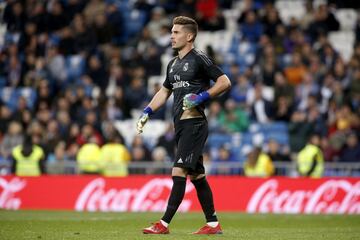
(190, 37)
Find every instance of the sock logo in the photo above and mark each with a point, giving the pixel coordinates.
(180, 161)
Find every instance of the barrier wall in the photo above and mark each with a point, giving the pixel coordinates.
(150, 193)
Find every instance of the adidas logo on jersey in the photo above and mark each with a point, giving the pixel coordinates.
(180, 161)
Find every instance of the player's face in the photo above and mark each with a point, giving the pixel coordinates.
(179, 37)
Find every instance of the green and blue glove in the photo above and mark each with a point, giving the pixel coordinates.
(143, 119)
(191, 100)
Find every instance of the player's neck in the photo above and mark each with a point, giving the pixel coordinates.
(185, 50)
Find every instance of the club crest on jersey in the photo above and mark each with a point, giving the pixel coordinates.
(186, 67)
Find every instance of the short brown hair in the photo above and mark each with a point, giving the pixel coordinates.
(188, 23)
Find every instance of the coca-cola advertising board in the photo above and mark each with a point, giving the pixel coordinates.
(150, 193)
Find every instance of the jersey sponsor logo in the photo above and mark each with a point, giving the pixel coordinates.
(186, 67)
(177, 77)
(180, 84)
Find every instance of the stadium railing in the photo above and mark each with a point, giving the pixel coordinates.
(332, 169)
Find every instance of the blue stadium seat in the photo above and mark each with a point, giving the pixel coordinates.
(217, 140)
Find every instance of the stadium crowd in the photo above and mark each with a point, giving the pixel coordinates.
(69, 69)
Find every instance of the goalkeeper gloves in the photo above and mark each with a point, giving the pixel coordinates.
(143, 119)
(192, 100)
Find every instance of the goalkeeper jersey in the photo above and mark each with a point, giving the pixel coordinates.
(191, 74)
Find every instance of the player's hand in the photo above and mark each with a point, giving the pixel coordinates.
(192, 100)
(141, 122)
(143, 119)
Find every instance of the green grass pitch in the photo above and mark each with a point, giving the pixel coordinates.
(46, 225)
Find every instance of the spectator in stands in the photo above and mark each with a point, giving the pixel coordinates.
(157, 20)
(93, 9)
(239, 92)
(84, 38)
(351, 152)
(12, 138)
(283, 88)
(258, 164)
(58, 160)
(21, 107)
(116, 22)
(213, 117)
(27, 159)
(233, 119)
(279, 39)
(5, 119)
(114, 157)
(299, 130)
(219, 165)
(324, 21)
(14, 16)
(56, 18)
(296, 70)
(159, 157)
(276, 153)
(307, 88)
(97, 72)
(205, 10)
(167, 141)
(51, 137)
(88, 157)
(261, 108)
(13, 71)
(310, 161)
(27, 41)
(89, 132)
(43, 94)
(103, 30)
(251, 29)
(270, 21)
(308, 16)
(268, 72)
(74, 7)
(213, 23)
(283, 109)
(136, 93)
(338, 94)
(139, 151)
(55, 64)
(355, 92)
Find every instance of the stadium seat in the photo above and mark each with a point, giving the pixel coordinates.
(347, 18)
(217, 140)
(290, 8)
(343, 42)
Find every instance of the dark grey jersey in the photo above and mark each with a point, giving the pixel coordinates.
(191, 74)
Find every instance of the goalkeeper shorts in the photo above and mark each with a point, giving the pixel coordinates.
(191, 135)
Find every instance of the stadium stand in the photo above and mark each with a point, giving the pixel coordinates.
(105, 80)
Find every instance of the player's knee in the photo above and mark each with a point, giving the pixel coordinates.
(196, 177)
(179, 172)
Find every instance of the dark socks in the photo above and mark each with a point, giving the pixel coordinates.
(176, 197)
(205, 198)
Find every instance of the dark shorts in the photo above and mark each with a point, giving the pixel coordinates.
(191, 135)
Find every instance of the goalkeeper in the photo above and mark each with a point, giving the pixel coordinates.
(188, 77)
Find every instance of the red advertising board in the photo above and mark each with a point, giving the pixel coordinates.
(150, 193)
